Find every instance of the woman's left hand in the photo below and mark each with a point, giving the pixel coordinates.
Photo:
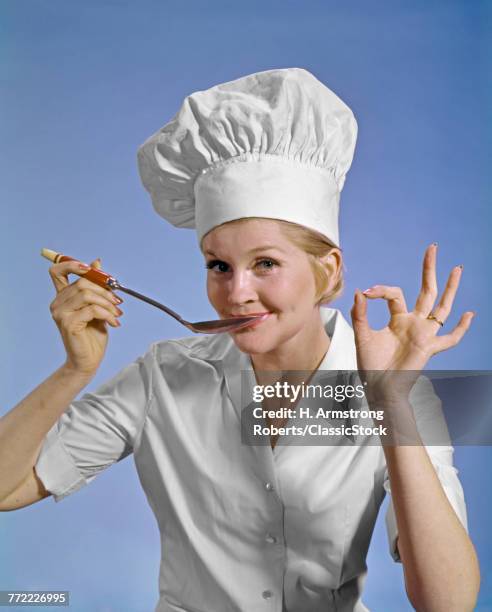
(410, 339)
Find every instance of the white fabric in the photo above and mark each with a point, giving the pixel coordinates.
(217, 501)
(275, 144)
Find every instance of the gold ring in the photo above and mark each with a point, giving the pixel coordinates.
(431, 317)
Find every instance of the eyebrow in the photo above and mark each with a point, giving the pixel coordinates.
(266, 247)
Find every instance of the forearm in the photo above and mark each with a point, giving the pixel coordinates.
(23, 429)
(440, 565)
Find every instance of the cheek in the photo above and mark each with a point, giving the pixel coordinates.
(209, 286)
(296, 285)
(281, 288)
(213, 291)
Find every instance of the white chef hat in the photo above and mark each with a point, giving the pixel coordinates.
(274, 144)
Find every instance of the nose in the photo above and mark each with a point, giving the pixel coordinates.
(241, 288)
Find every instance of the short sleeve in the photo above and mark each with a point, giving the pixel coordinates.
(97, 430)
(432, 428)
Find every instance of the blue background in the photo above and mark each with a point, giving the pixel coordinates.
(84, 84)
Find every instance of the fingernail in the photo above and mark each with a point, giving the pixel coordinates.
(434, 244)
(118, 323)
(84, 266)
(460, 266)
(370, 290)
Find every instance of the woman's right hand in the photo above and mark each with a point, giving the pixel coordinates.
(80, 311)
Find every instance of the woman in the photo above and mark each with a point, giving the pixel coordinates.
(256, 166)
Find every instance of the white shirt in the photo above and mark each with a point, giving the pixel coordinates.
(243, 528)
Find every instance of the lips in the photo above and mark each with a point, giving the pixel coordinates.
(248, 314)
(255, 322)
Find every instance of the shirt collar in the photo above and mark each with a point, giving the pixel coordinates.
(341, 353)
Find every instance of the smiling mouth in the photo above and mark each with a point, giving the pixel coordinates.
(262, 317)
(248, 314)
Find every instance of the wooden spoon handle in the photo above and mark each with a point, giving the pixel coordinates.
(99, 277)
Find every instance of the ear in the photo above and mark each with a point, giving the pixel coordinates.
(333, 264)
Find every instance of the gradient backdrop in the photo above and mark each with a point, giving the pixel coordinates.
(85, 83)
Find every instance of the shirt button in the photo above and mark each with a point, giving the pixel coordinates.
(268, 486)
(267, 594)
(270, 539)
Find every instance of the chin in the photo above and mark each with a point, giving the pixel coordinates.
(250, 342)
(257, 341)
(264, 337)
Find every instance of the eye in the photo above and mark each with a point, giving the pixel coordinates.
(264, 264)
(210, 265)
(271, 263)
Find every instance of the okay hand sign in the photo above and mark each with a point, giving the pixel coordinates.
(409, 339)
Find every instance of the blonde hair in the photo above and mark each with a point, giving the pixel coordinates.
(315, 245)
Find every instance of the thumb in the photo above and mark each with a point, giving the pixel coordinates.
(96, 263)
(359, 315)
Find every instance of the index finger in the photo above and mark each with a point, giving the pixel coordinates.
(59, 272)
